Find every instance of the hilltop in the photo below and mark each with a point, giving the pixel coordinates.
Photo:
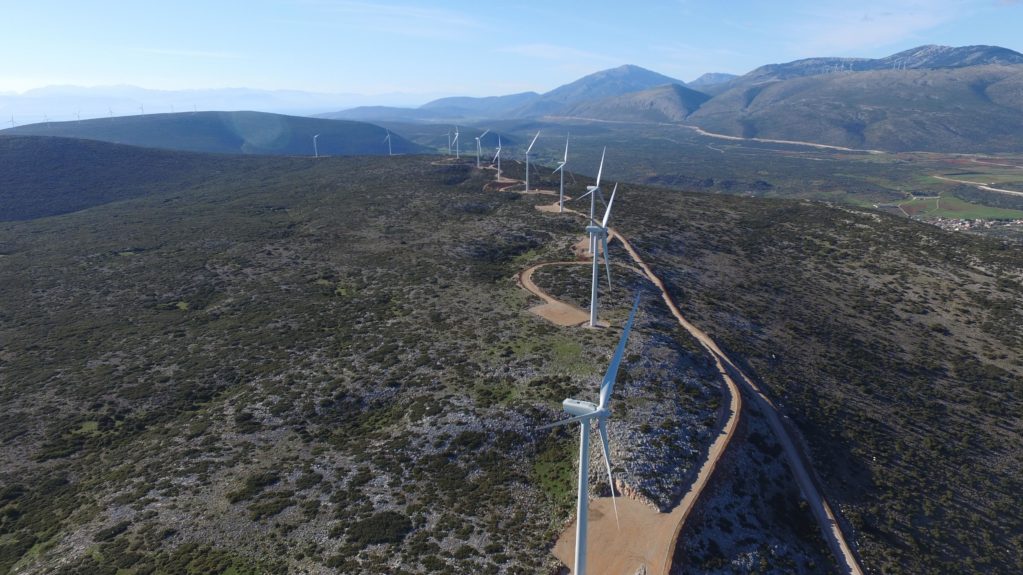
(229, 133)
(668, 103)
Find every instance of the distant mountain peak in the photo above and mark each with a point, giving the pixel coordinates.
(711, 79)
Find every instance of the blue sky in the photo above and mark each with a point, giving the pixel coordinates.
(454, 47)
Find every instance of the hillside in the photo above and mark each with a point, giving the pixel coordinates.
(489, 107)
(45, 176)
(976, 108)
(314, 365)
(891, 345)
(326, 365)
(596, 86)
(229, 133)
(669, 103)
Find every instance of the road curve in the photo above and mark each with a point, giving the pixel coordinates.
(822, 511)
(800, 468)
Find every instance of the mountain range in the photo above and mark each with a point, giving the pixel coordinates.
(930, 98)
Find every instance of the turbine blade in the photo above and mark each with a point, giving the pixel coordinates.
(607, 386)
(601, 169)
(533, 142)
(607, 259)
(558, 169)
(484, 134)
(565, 161)
(607, 213)
(569, 420)
(591, 190)
(606, 449)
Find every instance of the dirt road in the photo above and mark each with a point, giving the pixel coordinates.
(648, 538)
(979, 185)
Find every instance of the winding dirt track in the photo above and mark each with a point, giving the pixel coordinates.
(649, 538)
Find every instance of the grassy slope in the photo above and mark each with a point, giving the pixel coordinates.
(257, 372)
(230, 133)
(892, 345)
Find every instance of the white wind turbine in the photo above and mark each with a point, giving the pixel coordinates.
(561, 168)
(598, 237)
(497, 156)
(529, 149)
(316, 149)
(388, 140)
(449, 142)
(583, 412)
(455, 142)
(479, 149)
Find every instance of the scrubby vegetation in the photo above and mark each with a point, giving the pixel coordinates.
(893, 346)
(323, 363)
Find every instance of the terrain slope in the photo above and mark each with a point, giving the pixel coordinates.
(230, 133)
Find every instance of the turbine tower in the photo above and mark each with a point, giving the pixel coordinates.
(449, 142)
(583, 412)
(497, 156)
(455, 142)
(561, 168)
(598, 238)
(529, 149)
(479, 149)
(316, 149)
(388, 140)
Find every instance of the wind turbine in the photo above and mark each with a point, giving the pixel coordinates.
(598, 238)
(529, 149)
(455, 142)
(479, 150)
(449, 141)
(12, 121)
(316, 149)
(583, 412)
(561, 168)
(388, 140)
(497, 156)
(594, 190)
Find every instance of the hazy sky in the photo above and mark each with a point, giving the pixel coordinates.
(482, 47)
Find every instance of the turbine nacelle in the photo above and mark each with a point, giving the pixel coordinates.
(578, 407)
